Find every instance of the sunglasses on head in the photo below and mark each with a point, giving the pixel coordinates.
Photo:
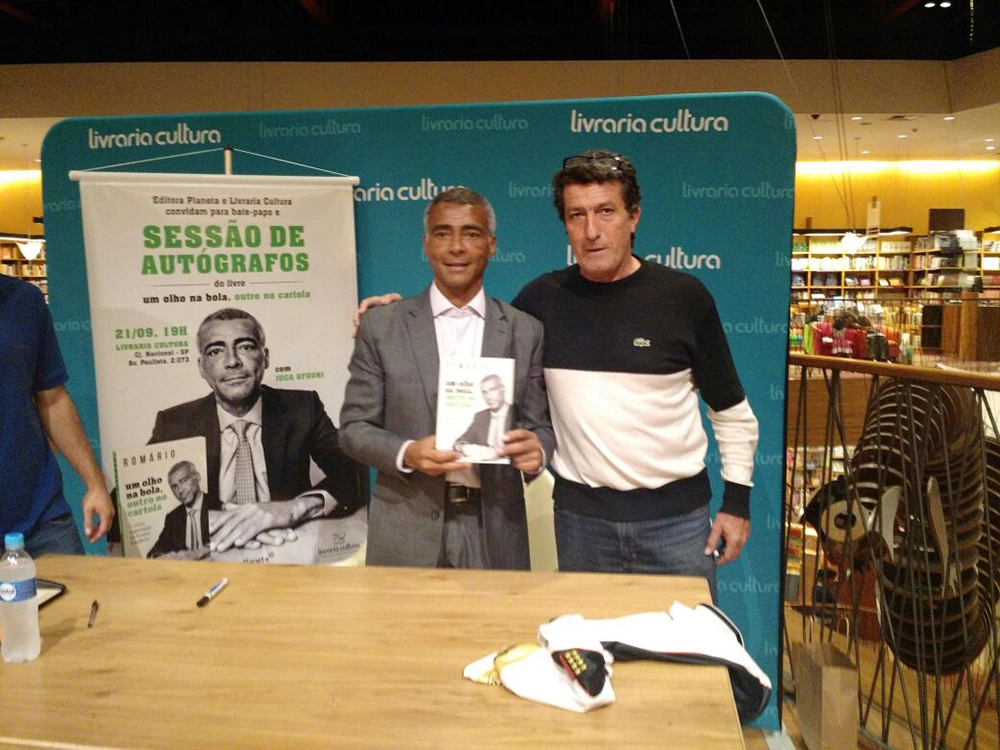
(582, 160)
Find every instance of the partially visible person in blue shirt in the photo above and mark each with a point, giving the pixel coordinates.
(35, 408)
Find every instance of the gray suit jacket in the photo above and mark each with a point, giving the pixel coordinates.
(391, 397)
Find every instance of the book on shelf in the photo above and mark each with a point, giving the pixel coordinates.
(896, 246)
(946, 279)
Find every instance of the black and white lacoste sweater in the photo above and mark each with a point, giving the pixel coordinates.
(624, 365)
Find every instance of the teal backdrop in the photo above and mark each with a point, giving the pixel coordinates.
(717, 176)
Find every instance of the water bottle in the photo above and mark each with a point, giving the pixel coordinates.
(18, 603)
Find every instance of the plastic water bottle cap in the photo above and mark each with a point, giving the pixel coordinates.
(14, 540)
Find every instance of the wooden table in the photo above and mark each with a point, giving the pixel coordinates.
(328, 657)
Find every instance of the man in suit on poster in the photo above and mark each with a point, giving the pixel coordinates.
(259, 441)
(185, 528)
(429, 508)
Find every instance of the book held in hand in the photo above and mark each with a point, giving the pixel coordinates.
(475, 407)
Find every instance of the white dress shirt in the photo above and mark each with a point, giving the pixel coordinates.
(227, 460)
(459, 333)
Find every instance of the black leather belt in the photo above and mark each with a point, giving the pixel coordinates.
(459, 493)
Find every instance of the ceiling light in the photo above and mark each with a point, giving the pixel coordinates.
(902, 135)
(990, 140)
(945, 4)
(929, 5)
(856, 117)
(14, 176)
(851, 242)
(949, 117)
(31, 249)
(817, 137)
(991, 148)
(866, 151)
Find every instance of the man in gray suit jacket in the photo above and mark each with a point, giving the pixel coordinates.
(429, 508)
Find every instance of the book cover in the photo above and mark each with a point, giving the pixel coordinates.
(160, 487)
(475, 406)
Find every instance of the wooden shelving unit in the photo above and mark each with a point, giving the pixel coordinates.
(910, 280)
(896, 265)
(823, 269)
(990, 260)
(13, 263)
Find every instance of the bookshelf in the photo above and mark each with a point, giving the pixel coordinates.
(808, 469)
(945, 264)
(896, 265)
(822, 268)
(899, 280)
(990, 261)
(13, 263)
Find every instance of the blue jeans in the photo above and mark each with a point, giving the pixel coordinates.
(672, 546)
(56, 537)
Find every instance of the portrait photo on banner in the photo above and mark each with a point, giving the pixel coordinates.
(201, 290)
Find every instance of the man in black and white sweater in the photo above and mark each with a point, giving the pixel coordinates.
(629, 346)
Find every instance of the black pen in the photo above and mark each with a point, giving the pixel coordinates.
(93, 613)
(210, 594)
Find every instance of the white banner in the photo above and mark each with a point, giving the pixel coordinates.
(166, 251)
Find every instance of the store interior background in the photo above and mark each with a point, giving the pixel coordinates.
(900, 67)
(859, 76)
(892, 99)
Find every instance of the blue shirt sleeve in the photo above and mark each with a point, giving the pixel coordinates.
(50, 369)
